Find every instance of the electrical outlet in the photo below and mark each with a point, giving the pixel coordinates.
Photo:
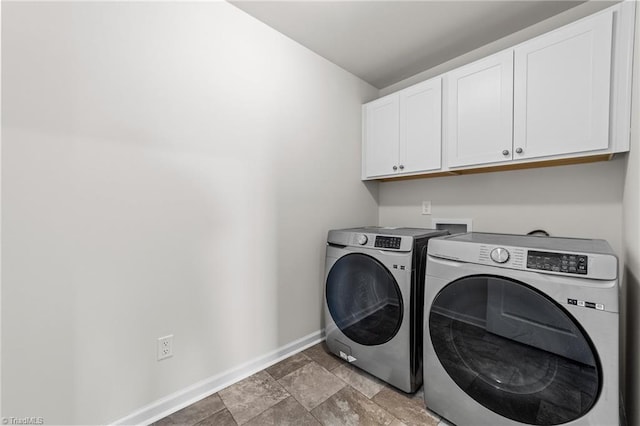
(426, 207)
(165, 347)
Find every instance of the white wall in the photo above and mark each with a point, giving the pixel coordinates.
(166, 168)
(577, 201)
(573, 201)
(631, 242)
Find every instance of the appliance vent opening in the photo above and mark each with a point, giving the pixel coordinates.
(454, 226)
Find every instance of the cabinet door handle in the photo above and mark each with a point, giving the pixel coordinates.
(395, 168)
(505, 152)
(401, 167)
(519, 150)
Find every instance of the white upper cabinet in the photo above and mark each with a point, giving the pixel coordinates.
(402, 131)
(480, 111)
(561, 90)
(421, 127)
(561, 97)
(382, 120)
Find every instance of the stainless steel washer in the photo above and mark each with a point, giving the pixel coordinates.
(374, 293)
(521, 330)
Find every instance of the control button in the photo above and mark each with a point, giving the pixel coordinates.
(581, 303)
(600, 306)
(362, 239)
(388, 242)
(499, 255)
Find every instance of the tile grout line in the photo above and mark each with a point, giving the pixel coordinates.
(261, 412)
(347, 384)
(280, 384)
(294, 397)
(227, 408)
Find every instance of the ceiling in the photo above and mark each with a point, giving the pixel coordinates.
(384, 42)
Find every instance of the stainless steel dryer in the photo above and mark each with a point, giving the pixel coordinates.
(521, 330)
(374, 294)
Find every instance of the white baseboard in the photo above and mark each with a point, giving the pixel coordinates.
(194, 393)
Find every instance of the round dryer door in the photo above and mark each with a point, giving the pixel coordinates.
(364, 299)
(514, 350)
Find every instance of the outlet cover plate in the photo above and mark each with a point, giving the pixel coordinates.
(426, 207)
(165, 347)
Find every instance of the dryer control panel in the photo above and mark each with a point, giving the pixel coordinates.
(569, 263)
(493, 252)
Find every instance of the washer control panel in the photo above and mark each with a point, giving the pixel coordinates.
(372, 240)
(558, 262)
(388, 242)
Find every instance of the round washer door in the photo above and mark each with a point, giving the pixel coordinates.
(364, 299)
(514, 350)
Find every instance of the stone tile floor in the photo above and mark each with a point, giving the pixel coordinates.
(312, 387)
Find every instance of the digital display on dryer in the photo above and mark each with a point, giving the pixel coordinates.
(388, 242)
(557, 262)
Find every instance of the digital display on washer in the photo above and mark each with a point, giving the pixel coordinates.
(557, 262)
(388, 242)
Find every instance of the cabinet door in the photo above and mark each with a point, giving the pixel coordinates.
(382, 122)
(562, 86)
(480, 111)
(421, 127)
